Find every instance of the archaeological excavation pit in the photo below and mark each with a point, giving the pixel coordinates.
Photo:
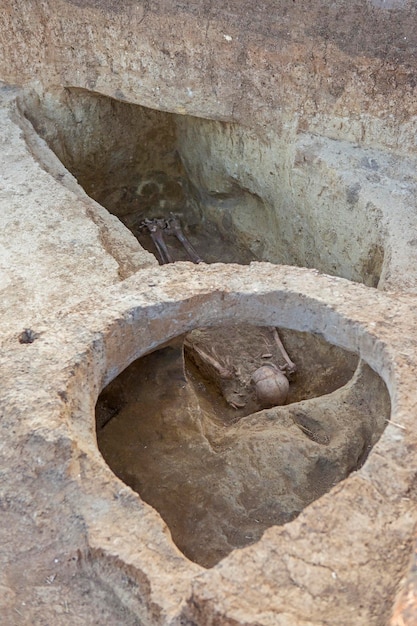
(184, 427)
(238, 196)
(218, 465)
(180, 185)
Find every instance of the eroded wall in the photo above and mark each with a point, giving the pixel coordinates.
(344, 72)
(262, 190)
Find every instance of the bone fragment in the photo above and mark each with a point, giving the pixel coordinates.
(173, 225)
(291, 366)
(158, 239)
(223, 372)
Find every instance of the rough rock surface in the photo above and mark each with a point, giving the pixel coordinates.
(322, 95)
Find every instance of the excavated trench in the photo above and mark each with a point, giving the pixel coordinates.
(240, 197)
(198, 445)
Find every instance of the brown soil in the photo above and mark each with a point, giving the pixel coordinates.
(218, 475)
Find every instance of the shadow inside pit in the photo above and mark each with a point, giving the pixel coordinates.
(218, 467)
(238, 196)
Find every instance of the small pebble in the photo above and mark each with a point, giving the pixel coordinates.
(28, 336)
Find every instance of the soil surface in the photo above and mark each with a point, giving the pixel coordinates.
(303, 115)
(219, 474)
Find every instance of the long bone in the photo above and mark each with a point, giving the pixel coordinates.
(156, 231)
(173, 226)
(290, 365)
(222, 370)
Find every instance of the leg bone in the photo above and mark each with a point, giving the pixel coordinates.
(290, 365)
(158, 239)
(174, 227)
(224, 372)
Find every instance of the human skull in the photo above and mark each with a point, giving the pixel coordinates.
(271, 385)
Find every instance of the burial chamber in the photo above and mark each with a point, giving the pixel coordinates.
(300, 154)
(239, 201)
(241, 196)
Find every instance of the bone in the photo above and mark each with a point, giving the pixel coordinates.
(174, 226)
(223, 371)
(155, 228)
(290, 365)
(158, 239)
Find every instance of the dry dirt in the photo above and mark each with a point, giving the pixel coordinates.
(218, 475)
(286, 131)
